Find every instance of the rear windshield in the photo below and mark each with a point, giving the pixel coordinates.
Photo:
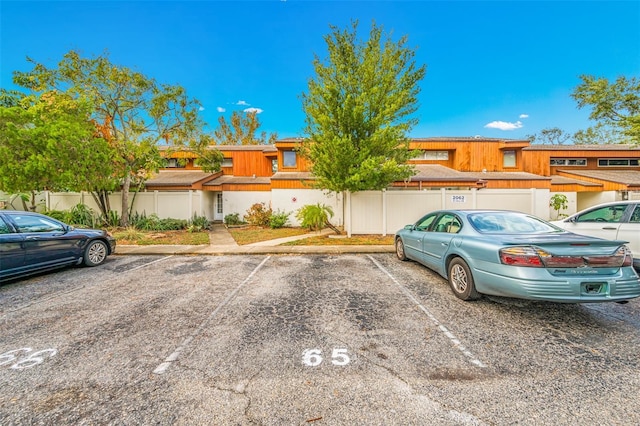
(510, 223)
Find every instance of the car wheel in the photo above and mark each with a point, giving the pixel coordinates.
(400, 249)
(95, 253)
(461, 280)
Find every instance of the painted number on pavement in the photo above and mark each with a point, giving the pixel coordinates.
(19, 359)
(313, 357)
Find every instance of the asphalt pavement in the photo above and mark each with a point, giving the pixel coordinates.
(221, 242)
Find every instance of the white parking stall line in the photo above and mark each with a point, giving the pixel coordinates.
(162, 368)
(452, 338)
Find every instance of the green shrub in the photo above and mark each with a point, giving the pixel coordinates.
(60, 215)
(113, 219)
(233, 219)
(199, 222)
(278, 219)
(314, 216)
(82, 215)
(170, 224)
(258, 215)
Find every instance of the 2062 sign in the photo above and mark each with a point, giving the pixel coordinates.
(458, 198)
(314, 357)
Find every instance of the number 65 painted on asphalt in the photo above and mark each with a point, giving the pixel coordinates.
(27, 361)
(313, 357)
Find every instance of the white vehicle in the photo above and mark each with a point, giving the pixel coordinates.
(612, 221)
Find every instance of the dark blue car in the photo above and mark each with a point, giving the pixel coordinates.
(32, 242)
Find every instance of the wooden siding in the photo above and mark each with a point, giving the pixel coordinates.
(291, 184)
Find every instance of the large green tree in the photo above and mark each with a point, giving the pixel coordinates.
(48, 142)
(241, 130)
(134, 112)
(359, 109)
(615, 104)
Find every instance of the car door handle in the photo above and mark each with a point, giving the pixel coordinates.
(610, 228)
(444, 244)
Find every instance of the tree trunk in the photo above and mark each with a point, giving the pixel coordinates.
(124, 220)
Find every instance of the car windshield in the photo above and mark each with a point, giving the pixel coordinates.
(510, 223)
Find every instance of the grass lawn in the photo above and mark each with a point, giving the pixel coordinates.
(145, 238)
(242, 235)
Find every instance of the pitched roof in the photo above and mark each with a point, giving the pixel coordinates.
(610, 147)
(627, 177)
(435, 172)
(177, 178)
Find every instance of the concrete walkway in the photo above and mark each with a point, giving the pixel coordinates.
(221, 242)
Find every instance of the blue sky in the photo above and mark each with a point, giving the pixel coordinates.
(494, 68)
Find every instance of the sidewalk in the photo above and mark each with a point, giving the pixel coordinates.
(221, 242)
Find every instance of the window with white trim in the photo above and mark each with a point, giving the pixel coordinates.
(509, 159)
(618, 162)
(433, 155)
(568, 162)
(227, 162)
(289, 159)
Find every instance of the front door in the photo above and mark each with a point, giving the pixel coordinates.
(217, 207)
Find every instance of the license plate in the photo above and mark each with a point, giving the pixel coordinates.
(594, 288)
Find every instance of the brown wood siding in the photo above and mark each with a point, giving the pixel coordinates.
(518, 184)
(575, 188)
(248, 163)
(291, 184)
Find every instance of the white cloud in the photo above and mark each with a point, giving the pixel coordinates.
(503, 125)
(256, 110)
(201, 108)
(524, 116)
(220, 109)
(244, 103)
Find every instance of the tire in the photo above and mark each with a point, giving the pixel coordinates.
(461, 280)
(400, 249)
(95, 253)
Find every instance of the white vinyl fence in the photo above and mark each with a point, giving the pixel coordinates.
(174, 204)
(367, 212)
(384, 212)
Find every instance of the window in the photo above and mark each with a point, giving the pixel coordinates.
(611, 214)
(274, 166)
(173, 162)
(433, 155)
(509, 159)
(448, 223)
(4, 228)
(568, 162)
(227, 162)
(289, 159)
(36, 224)
(219, 203)
(424, 223)
(618, 162)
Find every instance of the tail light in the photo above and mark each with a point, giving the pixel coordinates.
(521, 256)
(537, 258)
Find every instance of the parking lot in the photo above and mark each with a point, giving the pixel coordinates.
(303, 339)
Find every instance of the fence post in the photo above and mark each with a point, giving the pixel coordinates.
(384, 212)
(347, 220)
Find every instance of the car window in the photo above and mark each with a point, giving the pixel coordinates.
(635, 216)
(28, 223)
(424, 223)
(510, 222)
(611, 214)
(4, 228)
(448, 223)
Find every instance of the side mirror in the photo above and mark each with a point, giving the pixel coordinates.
(409, 227)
